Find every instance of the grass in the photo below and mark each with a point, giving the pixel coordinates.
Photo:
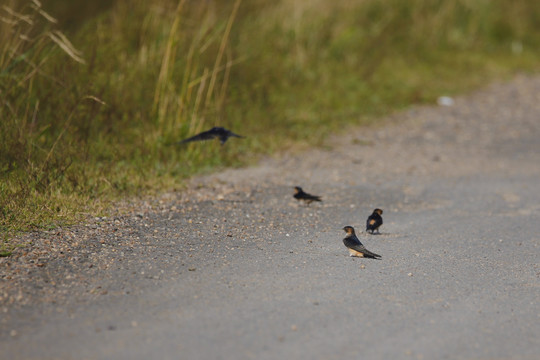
(90, 120)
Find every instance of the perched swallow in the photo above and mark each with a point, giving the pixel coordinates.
(355, 246)
(374, 221)
(216, 132)
(299, 194)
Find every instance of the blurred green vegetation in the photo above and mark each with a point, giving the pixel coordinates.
(88, 120)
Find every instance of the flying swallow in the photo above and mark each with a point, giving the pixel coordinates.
(374, 221)
(216, 132)
(299, 194)
(354, 245)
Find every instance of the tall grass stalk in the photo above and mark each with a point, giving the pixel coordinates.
(196, 97)
(164, 73)
(30, 160)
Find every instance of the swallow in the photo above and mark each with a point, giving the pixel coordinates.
(299, 194)
(216, 132)
(356, 249)
(374, 221)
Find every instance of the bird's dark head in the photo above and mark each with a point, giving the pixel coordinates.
(349, 230)
(297, 189)
(377, 211)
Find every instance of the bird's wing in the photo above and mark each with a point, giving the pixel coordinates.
(307, 196)
(205, 135)
(369, 254)
(355, 244)
(235, 135)
(225, 134)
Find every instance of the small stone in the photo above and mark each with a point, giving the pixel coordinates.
(409, 274)
(445, 101)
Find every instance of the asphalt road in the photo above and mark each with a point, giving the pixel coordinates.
(234, 268)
